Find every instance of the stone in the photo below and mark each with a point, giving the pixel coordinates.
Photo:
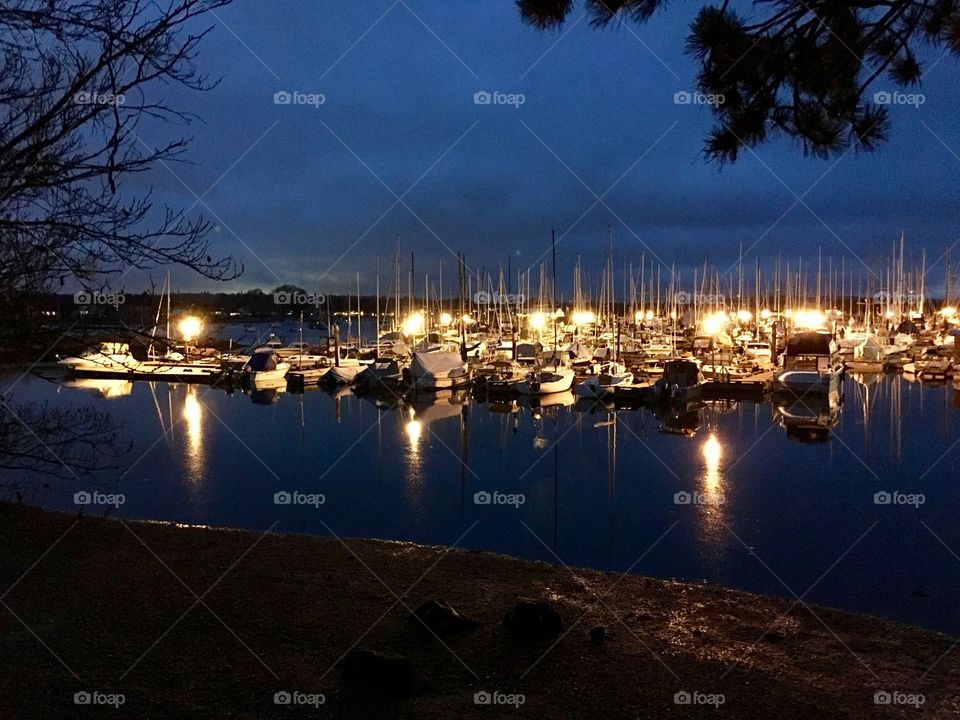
(440, 617)
(533, 619)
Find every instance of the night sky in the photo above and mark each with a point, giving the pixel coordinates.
(307, 194)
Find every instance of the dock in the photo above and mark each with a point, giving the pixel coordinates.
(753, 387)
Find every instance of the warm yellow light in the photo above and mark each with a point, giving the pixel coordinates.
(788, 312)
(414, 324)
(445, 319)
(467, 320)
(889, 314)
(713, 323)
(948, 311)
(190, 327)
(538, 321)
(809, 319)
(413, 428)
(649, 314)
(712, 453)
(583, 317)
(744, 316)
(638, 316)
(765, 314)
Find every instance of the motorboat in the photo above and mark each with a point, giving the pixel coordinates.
(681, 381)
(602, 385)
(110, 358)
(807, 366)
(868, 356)
(544, 381)
(265, 367)
(503, 375)
(383, 372)
(437, 371)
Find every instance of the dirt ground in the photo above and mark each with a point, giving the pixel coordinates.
(181, 622)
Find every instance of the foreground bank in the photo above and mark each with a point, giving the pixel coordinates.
(177, 622)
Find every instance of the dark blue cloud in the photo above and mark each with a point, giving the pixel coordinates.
(301, 184)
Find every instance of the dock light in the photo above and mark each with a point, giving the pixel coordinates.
(538, 321)
(889, 314)
(765, 314)
(649, 314)
(788, 312)
(744, 316)
(809, 319)
(638, 316)
(190, 327)
(467, 320)
(445, 319)
(414, 324)
(583, 317)
(714, 322)
(949, 311)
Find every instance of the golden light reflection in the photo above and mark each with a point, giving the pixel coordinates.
(193, 420)
(712, 506)
(712, 453)
(414, 428)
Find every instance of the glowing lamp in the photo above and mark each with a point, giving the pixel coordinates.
(414, 324)
(583, 317)
(190, 327)
(713, 323)
(445, 319)
(538, 321)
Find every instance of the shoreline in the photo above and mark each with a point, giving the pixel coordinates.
(187, 621)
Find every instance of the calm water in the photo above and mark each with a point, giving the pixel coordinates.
(770, 514)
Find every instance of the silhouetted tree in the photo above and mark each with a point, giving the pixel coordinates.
(76, 82)
(800, 67)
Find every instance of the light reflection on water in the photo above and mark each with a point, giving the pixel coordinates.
(784, 490)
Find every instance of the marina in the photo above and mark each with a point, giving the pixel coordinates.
(417, 360)
(599, 482)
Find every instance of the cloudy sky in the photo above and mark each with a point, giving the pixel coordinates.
(312, 193)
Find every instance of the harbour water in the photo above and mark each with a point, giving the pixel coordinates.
(864, 520)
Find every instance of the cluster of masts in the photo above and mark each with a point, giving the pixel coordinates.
(826, 294)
